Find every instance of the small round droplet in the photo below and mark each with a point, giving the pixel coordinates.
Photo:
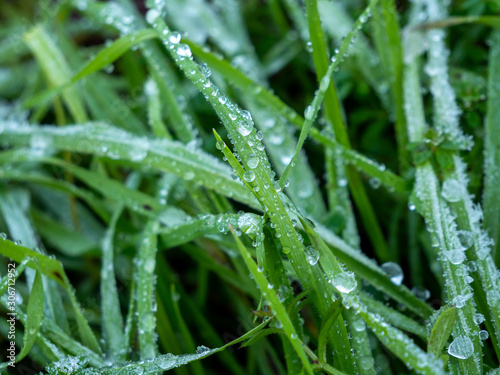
(374, 183)
(484, 335)
(220, 145)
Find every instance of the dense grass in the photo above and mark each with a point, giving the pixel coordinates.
(165, 202)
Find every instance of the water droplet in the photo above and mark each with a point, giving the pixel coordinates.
(478, 318)
(174, 37)
(189, 175)
(374, 182)
(394, 271)
(358, 325)
(344, 282)
(220, 145)
(421, 293)
(293, 336)
(309, 47)
(312, 255)
(342, 182)
(152, 15)
(461, 348)
(309, 113)
(202, 349)
(205, 70)
(455, 256)
(260, 268)
(466, 238)
(325, 82)
(249, 223)
(460, 300)
(222, 99)
(484, 335)
(244, 128)
(452, 190)
(283, 291)
(253, 161)
(184, 50)
(249, 176)
(412, 207)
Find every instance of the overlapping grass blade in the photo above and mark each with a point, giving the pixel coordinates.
(169, 156)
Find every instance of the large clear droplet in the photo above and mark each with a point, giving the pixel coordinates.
(455, 256)
(249, 176)
(253, 161)
(184, 50)
(344, 282)
(205, 70)
(461, 348)
(312, 255)
(452, 190)
(394, 271)
(152, 15)
(174, 37)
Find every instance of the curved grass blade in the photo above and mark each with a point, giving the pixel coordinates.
(146, 260)
(491, 203)
(34, 314)
(393, 317)
(492, 21)
(277, 307)
(54, 270)
(330, 317)
(104, 57)
(346, 285)
(169, 361)
(441, 330)
(103, 140)
(240, 127)
(268, 99)
(432, 206)
(55, 69)
(112, 320)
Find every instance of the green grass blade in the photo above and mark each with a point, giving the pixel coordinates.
(441, 330)
(55, 69)
(491, 204)
(34, 314)
(346, 285)
(391, 53)
(54, 270)
(146, 260)
(112, 324)
(331, 316)
(105, 57)
(168, 156)
(241, 130)
(278, 309)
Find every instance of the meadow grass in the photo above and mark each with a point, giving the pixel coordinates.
(164, 201)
